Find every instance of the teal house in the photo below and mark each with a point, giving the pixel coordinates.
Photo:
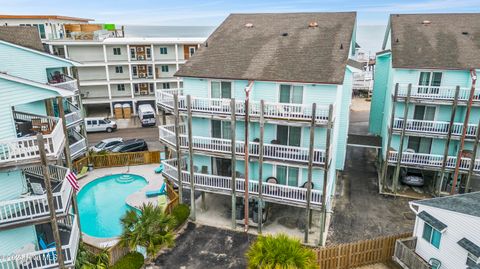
(289, 62)
(34, 87)
(426, 105)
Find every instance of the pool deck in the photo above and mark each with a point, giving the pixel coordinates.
(136, 199)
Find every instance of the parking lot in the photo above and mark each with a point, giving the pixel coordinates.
(150, 134)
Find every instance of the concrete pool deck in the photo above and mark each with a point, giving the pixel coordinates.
(135, 199)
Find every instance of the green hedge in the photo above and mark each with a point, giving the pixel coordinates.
(181, 213)
(133, 260)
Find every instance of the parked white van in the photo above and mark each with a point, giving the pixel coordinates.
(146, 115)
(100, 125)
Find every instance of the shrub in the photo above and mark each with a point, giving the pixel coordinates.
(132, 260)
(181, 213)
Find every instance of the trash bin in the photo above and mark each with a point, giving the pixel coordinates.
(90, 167)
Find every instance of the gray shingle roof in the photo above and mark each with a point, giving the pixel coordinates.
(469, 246)
(434, 222)
(262, 52)
(449, 41)
(24, 36)
(462, 203)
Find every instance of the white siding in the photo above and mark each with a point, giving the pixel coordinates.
(86, 53)
(92, 73)
(111, 57)
(170, 56)
(94, 91)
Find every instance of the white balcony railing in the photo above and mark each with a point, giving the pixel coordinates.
(74, 115)
(445, 93)
(277, 111)
(65, 82)
(47, 258)
(32, 207)
(432, 160)
(26, 148)
(80, 146)
(433, 127)
(221, 184)
(219, 145)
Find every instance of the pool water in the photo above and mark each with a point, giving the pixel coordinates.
(101, 203)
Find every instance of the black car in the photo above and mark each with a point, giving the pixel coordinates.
(132, 145)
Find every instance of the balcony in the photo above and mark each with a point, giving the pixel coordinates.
(47, 258)
(433, 128)
(436, 94)
(272, 152)
(405, 255)
(24, 148)
(432, 161)
(63, 81)
(33, 206)
(78, 144)
(73, 115)
(221, 107)
(294, 196)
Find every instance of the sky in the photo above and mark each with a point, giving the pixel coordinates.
(212, 12)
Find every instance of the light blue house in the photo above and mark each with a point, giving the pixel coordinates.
(290, 61)
(421, 99)
(31, 89)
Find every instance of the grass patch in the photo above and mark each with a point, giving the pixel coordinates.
(132, 260)
(181, 213)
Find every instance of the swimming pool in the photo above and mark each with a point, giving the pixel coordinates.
(101, 203)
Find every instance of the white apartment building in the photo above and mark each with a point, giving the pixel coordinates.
(125, 70)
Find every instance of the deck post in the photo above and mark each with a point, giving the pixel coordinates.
(190, 152)
(449, 138)
(51, 204)
(325, 176)
(68, 156)
(233, 126)
(164, 122)
(177, 148)
(389, 141)
(260, 166)
(310, 172)
(474, 156)
(49, 107)
(402, 137)
(246, 198)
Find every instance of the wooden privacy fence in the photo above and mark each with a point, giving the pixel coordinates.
(115, 252)
(173, 199)
(118, 159)
(358, 253)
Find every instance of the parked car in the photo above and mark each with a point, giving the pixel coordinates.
(100, 125)
(132, 145)
(146, 115)
(413, 177)
(106, 144)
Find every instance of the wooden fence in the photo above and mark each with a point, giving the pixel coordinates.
(355, 254)
(172, 197)
(115, 252)
(118, 159)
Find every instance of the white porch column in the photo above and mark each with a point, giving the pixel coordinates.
(128, 53)
(176, 56)
(104, 53)
(132, 90)
(67, 56)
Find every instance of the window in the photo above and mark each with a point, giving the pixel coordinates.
(221, 89)
(424, 112)
(472, 260)
(287, 175)
(166, 85)
(151, 88)
(431, 235)
(289, 135)
(117, 51)
(135, 88)
(118, 69)
(89, 122)
(41, 30)
(134, 71)
(148, 52)
(132, 53)
(121, 87)
(191, 51)
(150, 71)
(163, 51)
(221, 129)
(164, 68)
(291, 94)
(432, 80)
(420, 144)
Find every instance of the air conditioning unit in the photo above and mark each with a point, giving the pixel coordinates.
(143, 75)
(140, 49)
(141, 57)
(141, 67)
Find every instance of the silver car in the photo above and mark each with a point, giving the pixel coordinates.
(106, 144)
(413, 177)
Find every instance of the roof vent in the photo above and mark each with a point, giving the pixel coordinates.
(341, 46)
(313, 24)
(465, 33)
(285, 34)
(249, 25)
(426, 22)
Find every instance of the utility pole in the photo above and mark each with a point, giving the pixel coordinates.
(260, 167)
(473, 74)
(50, 202)
(190, 151)
(310, 172)
(177, 148)
(233, 126)
(323, 221)
(247, 119)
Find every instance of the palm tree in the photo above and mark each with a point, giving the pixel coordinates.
(150, 228)
(280, 252)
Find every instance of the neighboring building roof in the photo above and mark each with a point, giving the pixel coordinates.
(24, 36)
(439, 41)
(434, 222)
(276, 47)
(45, 17)
(60, 91)
(461, 203)
(356, 64)
(469, 246)
(131, 41)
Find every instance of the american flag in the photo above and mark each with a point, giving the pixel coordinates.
(72, 179)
